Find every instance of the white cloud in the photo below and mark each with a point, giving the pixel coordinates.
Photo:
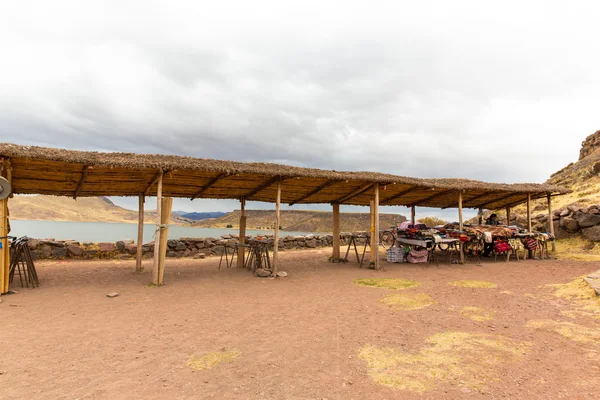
(498, 92)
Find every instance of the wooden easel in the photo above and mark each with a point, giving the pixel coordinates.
(352, 242)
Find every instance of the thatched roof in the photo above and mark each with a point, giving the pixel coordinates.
(39, 170)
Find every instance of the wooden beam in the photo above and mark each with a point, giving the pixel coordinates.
(435, 196)
(157, 233)
(140, 238)
(209, 185)
(276, 232)
(4, 231)
(354, 193)
(336, 232)
(9, 174)
(551, 221)
(499, 199)
(468, 202)
(376, 221)
(165, 219)
(529, 227)
(372, 228)
(84, 174)
(480, 216)
(242, 237)
(158, 175)
(263, 186)
(460, 225)
(399, 194)
(412, 214)
(507, 215)
(313, 192)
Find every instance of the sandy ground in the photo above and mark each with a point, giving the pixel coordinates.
(298, 337)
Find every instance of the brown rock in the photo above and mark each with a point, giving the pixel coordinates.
(263, 273)
(569, 224)
(587, 220)
(59, 252)
(75, 250)
(33, 244)
(592, 233)
(107, 247)
(45, 251)
(131, 248)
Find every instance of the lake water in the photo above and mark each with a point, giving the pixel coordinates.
(112, 232)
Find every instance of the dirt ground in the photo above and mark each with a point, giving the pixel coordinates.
(299, 337)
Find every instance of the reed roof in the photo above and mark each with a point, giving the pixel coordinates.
(52, 171)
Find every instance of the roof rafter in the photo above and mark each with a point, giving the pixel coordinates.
(472, 199)
(263, 186)
(209, 185)
(84, 174)
(498, 200)
(435, 196)
(395, 196)
(354, 193)
(313, 192)
(154, 180)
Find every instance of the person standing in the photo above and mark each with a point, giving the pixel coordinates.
(488, 247)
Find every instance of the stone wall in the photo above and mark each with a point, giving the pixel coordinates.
(184, 247)
(575, 220)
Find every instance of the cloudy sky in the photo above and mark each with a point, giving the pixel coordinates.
(497, 91)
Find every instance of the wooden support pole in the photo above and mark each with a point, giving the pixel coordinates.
(166, 207)
(276, 233)
(372, 227)
(140, 237)
(5, 251)
(460, 224)
(412, 215)
(336, 232)
(376, 226)
(84, 174)
(4, 231)
(551, 221)
(158, 228)
(529, 227)
(242, 238)
(480, 216)
(507, 215)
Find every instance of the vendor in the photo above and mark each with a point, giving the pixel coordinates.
(492, 220)
(488, 247)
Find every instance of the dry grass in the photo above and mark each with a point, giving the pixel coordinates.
(473, 284)
(447, 357)
(477, 314)
(408, 301)
(386, 283)
(575, 332)
(577, 248)
(209, 360)
(580, 293)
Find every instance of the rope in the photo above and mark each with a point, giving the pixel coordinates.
(160, 227)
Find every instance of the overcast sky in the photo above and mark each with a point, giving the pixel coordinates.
(496, 91)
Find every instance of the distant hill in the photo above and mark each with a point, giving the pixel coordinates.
(300, 221)
(198, 216)
(93, 209)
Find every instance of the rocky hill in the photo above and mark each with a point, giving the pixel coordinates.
(300, 221)
(576, 213)
(92, 209)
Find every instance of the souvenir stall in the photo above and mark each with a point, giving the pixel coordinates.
(416, 243)
(501, 240)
